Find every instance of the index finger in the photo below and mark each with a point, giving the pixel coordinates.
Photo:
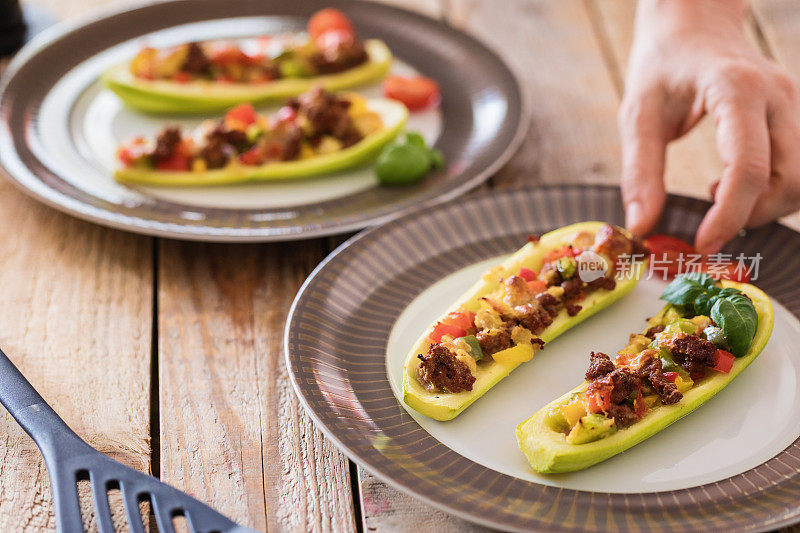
(744, 146)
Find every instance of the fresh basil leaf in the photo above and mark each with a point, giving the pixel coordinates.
(682, 291)
(737, 317)
(704, 302)
(728, 291)
(705, 280)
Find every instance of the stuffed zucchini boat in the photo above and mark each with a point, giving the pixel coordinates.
(316, 133)
(207, 76)
(548, 286)
(692, 349)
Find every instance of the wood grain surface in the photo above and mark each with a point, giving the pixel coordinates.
(79, 301)
(76, 318)
(232, 430)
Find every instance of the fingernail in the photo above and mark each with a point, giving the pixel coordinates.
(633, 215)
(712, 247)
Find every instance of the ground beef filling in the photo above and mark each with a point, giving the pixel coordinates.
(442, 369)
(343, 55)
(651, 332)
(327, 115)
(623, 384)
(196, 62)
(533, 316)
(221, 144)
(693, 353)
(599, 365)
(166, 142)
(493, 341)
(652, 371)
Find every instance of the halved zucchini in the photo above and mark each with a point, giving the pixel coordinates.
(393, 114)
(446, 406)
(164, 96)
(548, 451)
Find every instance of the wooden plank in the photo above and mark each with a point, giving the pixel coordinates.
(386, 509)
(571, 96)
(76, 316)
(232, 430)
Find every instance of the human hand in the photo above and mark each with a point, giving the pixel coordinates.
(691, 58)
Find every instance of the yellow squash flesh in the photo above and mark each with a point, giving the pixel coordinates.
(164, 96)
(446, 406)
(548, 451)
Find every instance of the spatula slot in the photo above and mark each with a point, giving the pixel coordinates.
(84, 488)
(180, 524)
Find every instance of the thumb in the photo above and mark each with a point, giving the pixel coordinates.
(644, 145)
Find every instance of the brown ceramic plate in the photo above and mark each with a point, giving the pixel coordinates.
(59, 127)
(734, 464)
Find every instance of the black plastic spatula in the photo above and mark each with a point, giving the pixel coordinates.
(69, 459)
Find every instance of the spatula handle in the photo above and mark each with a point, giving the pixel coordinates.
(28, 408)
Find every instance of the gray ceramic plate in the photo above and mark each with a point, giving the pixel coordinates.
(59, 127)
(732, 465)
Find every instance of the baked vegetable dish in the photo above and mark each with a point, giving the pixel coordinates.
(706, 335)
(315, 133)
(550, 285)
(214, 75)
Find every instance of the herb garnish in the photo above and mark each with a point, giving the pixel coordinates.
(731, 310)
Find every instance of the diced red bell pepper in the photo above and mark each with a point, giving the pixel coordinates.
(537, 286)
(125, 155)
(724, 361)
(182, 77)
(639, 405)
(441, 329)
(178, 162)
(461, 319)
(600, 401)
(564, 251)
(130, 152)
(252, 157)
(671, 376)
(527, 274)
(244, 113)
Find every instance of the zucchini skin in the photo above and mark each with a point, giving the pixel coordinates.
(446, 406)
(168, 97)
(548, 452)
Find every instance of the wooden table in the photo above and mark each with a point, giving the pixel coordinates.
(167, 355)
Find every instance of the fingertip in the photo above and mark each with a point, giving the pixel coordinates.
(635, 218)
(709, 247)
(715, 230)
